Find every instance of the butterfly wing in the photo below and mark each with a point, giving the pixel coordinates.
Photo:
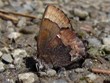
(51, 41)
(48, 31)
(50, 47)
(57, 16)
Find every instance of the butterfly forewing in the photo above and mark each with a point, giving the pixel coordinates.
(48, 31)
(57, 16)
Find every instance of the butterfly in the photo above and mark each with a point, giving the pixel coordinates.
(57, 42)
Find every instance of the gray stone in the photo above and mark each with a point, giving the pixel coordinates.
(44, 81)
(88, 63)
(9, 81)
(42, 73)
(95, 42)
(27, 77)
(10, 30)
(1, 67)
(51, 72)
(7, 58)
(21, 10)
(106, 41)
(19, 53)
(10, 27)
(19, 63)
(30, 29)
(107, 48)
(73, 75)
(79, 70)
(1, 53)
(107, 29)
(5, 50)
(28, 7)
(15, 3)
(14, 35)
(11, 66)
(60, 81)
(9, 24)
(80, 13)
(22, 22)
(92, 76)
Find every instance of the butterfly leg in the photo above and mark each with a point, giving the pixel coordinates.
(39, 65)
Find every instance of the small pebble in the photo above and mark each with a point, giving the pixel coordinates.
(79, 70)
(15, 3)
(22, 22)
(106, 41)
(5, 50)
(14, 35)
(91, 76)
(7, 58)
(9, 24)
(87, 63)
(29, 30)
(20, 10)
(94, 41)
(10, 81)
(19, 63)
(27, 77)
(1, 66)
(11, 66)
(10, 27)
(19, 53)
(73, 75)
(10, 30)
(51, 72)
(80, 13)
(28, 7)
(107, 48)
(42, 73)
(60, 81)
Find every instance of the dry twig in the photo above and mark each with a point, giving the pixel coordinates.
(8, 17)
(19, 14)
(95, 70)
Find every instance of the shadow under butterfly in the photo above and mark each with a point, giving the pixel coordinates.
(57, 42)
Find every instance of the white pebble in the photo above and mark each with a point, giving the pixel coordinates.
(92, 76)
(27, 77)
(14, 35)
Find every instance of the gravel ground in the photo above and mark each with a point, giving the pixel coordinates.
(90, 19)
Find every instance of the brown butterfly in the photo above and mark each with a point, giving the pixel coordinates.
(58, 44)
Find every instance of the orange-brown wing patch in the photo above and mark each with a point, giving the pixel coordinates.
(57, 16)
(48, 31)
